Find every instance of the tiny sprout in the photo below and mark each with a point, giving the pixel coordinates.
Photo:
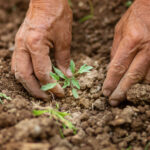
(58, 116)
(4, 96)
(67, 82)
(90, 15)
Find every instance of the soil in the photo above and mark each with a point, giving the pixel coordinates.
(100, 126)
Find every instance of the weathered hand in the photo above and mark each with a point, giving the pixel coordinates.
(48, 24)
(130, 55)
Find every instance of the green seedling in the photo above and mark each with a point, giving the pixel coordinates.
(58, 116)
(128, 3)
(89, 16)
(3, 96)
(67, 82)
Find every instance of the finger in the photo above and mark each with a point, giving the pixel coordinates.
(118, 33)
(147, 78)
(135, 74)
(126, 52)
(62, 48)
(116, 41)
(24, 73)
(42, 63)
(13, 62)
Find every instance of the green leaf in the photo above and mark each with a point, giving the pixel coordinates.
(57, 106)
(48, 86)
(61, 133)
(128, 3)
(2, 95)
(72, 66)
(59, 73)
(75, 94)
(75, 83)
(90, 16)
(85, 68)
(63, 114)
(58, 116)
(66, 83)
(54, 76)
(39, 112)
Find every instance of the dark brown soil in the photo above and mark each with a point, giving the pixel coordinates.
(100, 127)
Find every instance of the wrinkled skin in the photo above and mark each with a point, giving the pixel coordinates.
(47, 25)
(130, 55)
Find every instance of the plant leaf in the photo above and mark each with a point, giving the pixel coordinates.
(66, 83)
(75, 83)
(128, 3)
(39, 112)
(48, 86)
(54, 76)
(2, 95)
(72, 66)
(57, 106)
(61, 133)
(75, 94)
(63, 114)
(59, 116)
(59, 73)
(85, 68)
(85, 18)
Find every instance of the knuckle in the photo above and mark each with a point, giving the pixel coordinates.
(20, 76)
(18, 39)
(42, 76)
(117, 68)
(34, 40)
(135, 76)
(135, 36)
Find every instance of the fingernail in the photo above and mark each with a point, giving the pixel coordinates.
(114, 103)
(68, 72)
(106, 93)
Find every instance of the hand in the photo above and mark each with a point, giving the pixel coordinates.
(130, 55)
(47, 25)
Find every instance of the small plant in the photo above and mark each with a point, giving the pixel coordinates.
(128, 3)
(3, 96)
(89, 16)
(67, 82)
(58, 116)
